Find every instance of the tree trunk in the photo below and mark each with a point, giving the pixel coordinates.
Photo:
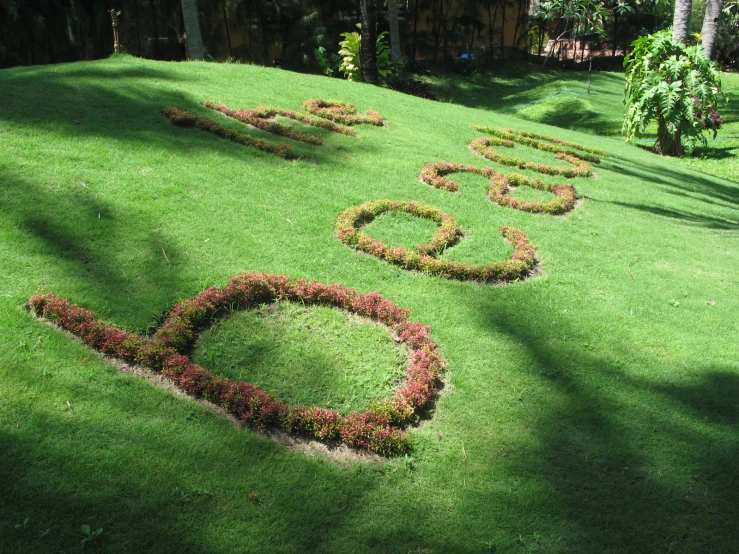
(681, 21)
(710, 27)
(192, 28)
(666, 144)
(154, 17)
(504, 4)
(415, 30)
(228, 33)
(266, 36)
(473, 25)
(519, 18)
(392, 16)
(491, 25)
(138, 33)
(615, 34)
(368, 50)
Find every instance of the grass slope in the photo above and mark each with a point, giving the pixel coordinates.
(561, 99)
(591, 409)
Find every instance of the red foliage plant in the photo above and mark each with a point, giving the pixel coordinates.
(507, 138)
(424, 258)
(182, 118)
(434, 174)
(263, 118)
(378, 429)
(341, 112)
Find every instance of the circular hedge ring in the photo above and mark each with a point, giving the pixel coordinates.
(341, 112)
(350, 222)
(434, 174)
(168, 352)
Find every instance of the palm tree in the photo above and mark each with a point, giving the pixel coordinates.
(710, 26)
(392, 16)
(368, 56)
(195, 49)
(681, 21)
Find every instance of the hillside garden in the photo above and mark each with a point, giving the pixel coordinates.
(248, 310)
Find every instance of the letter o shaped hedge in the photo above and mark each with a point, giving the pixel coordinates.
(423, 259)
(168, 352)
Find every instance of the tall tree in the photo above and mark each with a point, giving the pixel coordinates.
(392, 16)
(681, 20)
(368, 55)
(709, 31)
(192, 28)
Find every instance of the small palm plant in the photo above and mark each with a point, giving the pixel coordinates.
(677, 86)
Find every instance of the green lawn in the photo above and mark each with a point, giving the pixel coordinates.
(561, 99)
(591, 409)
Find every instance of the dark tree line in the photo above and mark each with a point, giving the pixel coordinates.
(288, 31)
(53, 31)
(257, 31)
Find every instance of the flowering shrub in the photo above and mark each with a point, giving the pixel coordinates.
(182, 118)
(341, 112)
(348, 229)
(168, 352)
(434, 174)
(263, 118)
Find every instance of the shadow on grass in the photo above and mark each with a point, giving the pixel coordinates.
(169, 480)
(684, 216)
(125, 105)
(622, 462)
(521, 84)
(713, 188)
(73, 236)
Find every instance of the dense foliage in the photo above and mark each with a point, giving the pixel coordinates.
(674, 85)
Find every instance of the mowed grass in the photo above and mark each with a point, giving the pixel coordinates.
(317, 356)
(591, 409)
(561, 99)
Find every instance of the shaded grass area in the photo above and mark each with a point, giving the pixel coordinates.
(317, 356)
(591, 409)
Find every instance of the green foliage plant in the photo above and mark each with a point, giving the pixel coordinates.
(672, 84)
(89, 534)
(350, 52)
(328, 63)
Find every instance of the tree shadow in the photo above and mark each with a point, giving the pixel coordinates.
(162, 481)
(512, 89)
(84, 241)
(623, 463)
(684, 216)
(129, 113)
(712, 188)
(716, 153)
